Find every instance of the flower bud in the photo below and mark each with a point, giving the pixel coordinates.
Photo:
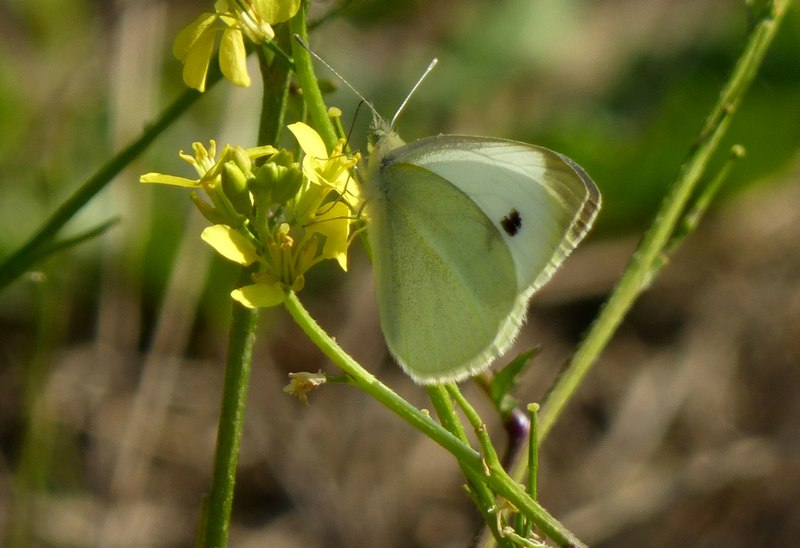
(242, 160)
(288, 185)
(234, 185)
(207, 210)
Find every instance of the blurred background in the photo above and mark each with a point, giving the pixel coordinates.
(686, 432)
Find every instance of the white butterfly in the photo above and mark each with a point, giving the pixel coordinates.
(463, 231)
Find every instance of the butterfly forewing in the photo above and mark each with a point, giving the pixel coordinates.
(541, 202)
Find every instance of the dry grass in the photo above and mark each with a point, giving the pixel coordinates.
(685, 433)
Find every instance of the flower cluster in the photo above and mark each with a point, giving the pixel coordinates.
(235, 20)
(269, 209)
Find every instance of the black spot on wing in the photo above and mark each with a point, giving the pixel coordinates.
(512, 222)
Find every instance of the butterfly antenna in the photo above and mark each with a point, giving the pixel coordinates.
(339, 76)
(353, 122)
(410, 93)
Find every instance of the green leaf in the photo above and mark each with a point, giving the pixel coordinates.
(505, 380)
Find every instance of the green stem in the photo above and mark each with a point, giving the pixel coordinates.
(276, 76)
(478, 426)
(217, 511)
(691, 218)
(312, 95)
(490, 458)
(25, 257)
(533, 452)
(638, 273)
(368, 383)
(480, 493)
(215, 522)
(72, 241)
(525, 528)
(497, 479)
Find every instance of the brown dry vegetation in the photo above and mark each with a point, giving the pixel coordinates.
(686, 433)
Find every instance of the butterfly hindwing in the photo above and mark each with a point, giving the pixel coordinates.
(445, 279)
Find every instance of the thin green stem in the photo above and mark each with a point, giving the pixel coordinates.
(368, 383)
(217, 510)
(25, 257)
(480, 493)
(312, 95)
(481, 432)
(60, 245)
(490, 458)
(279, 50)
(638, 273)
(533, 452)
(276, 76)
(691, 218)
(446, 411)
(498, 480)
(525, 528)
(215, 521)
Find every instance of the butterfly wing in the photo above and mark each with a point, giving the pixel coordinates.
(541, 202)
(445, 281)
(465, 229)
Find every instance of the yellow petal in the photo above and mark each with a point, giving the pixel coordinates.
(309, 140)
(161, 178)
(189, 35)
(233, 57)
(259, 295)
(195, 66)
(334, 224)
(276, 11)
(230, 244)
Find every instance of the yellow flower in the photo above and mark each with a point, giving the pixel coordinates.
(315, 222)
(207, 166)
(331, 170)
(235, 20)
(283, 217)
(224, 179)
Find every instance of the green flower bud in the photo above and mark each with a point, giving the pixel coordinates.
(288, 185)
(234, 185)
(283, 158)
(207, 210)
(242, 160)
(265, 180)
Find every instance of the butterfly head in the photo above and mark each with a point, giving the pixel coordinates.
(383, 139)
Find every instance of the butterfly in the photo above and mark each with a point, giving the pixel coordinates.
(463, 231)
